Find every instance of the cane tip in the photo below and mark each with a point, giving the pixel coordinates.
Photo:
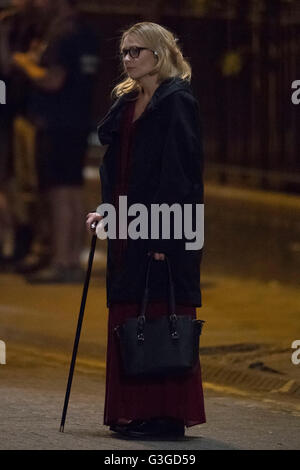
(61, 429)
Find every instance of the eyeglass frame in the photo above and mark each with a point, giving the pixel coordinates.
(124, 52)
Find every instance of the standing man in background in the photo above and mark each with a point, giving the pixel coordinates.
(60, 108)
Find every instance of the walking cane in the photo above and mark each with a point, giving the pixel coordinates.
(79, 324)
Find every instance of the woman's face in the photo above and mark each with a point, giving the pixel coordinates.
(141, 66)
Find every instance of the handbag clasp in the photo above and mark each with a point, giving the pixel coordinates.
(140, 328)
(173, 326)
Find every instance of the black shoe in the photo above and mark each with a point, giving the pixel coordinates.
(50, 275)
(32, 263)
(119, 428)
(122, 427)
(170, 426)
(57, 275)
(115, 427)
(158, 427)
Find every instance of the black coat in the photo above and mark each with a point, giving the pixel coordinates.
(167, 165)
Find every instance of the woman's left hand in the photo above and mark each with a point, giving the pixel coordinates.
(158, 256)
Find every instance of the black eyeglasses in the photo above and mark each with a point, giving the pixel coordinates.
(134, 51)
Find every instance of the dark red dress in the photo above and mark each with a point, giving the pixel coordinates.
(129, 399)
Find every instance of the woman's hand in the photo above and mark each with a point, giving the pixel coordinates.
(158, 256)
(90, 218)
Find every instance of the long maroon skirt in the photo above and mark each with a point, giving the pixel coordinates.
(128, 399)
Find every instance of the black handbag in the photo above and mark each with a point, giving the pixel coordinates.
(164, 346)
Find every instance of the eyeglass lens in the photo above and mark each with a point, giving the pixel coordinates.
(134, 52)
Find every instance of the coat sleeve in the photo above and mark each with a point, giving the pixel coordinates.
(181, 163)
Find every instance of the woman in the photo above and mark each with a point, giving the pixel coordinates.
(154, 156)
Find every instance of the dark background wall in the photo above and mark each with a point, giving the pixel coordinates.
(245, 56)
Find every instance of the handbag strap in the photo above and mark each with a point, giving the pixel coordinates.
(171, 289)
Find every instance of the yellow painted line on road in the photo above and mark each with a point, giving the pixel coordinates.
(294, 407)
(225, 389)
(290, 406)
(271, 198)
(24, 351)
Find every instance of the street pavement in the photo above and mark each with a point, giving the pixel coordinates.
(251, 306)
(32, 400)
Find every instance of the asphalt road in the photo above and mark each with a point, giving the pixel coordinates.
(31, 401)
(38, 325)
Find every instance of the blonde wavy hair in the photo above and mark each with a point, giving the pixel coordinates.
(170, 63)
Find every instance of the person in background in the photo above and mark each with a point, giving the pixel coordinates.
(60, 108)
(154, 156)
(18, 30)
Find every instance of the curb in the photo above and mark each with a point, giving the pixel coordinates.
(248, 380)
(212, 371)
(25, 356)
(268, 198)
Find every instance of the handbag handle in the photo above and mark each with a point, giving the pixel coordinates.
(142, 315)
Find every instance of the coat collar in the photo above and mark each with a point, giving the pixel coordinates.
(111, 122)
(166, 88)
